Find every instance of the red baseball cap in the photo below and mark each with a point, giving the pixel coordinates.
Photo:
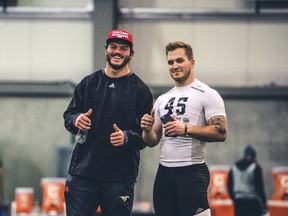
(120, 34)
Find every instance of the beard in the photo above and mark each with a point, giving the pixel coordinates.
(116, 66)
(180, 79)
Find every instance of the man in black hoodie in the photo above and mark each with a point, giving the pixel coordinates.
(246, 185)
(108, 105)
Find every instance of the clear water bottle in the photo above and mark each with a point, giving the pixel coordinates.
(81, 136)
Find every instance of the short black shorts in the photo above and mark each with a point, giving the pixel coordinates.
(181, 191)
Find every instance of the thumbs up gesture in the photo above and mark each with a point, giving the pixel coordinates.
(83, 121)
(147, 121)
(117, 138)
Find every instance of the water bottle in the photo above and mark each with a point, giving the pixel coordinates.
(81, 136)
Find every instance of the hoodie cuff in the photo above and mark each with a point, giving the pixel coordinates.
(125, 138)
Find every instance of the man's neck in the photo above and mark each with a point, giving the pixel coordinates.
(186, 82)
(116, 73)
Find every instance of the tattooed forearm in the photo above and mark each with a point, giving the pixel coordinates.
(220, 124)
(221, 130)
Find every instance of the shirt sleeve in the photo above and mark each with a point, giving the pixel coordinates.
(74, 109)
(144, 106)
(259, 183)
(213, 105)
(157, 111)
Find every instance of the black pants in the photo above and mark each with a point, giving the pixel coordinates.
(181, 191)
(247, 207)
(84, 195)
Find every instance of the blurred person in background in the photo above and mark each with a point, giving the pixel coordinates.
(246, 185)
(108, 104)
(183, 120)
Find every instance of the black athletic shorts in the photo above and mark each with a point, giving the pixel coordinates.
(181, 191)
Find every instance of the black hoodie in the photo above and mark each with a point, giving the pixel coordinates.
(122, 101)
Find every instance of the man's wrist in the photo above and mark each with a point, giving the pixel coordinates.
(125, 138)
(186, 130)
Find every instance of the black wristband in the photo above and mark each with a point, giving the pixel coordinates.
(185, 130)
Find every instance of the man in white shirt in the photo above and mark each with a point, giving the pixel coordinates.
(197, 116)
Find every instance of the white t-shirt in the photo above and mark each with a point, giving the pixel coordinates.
(194, 104)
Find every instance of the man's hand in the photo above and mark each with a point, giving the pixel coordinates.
(174, 128)
(83, 121)
(117, 138)
(147, 121)
(152, 130)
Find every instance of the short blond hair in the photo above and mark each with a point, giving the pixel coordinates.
(180, 44)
